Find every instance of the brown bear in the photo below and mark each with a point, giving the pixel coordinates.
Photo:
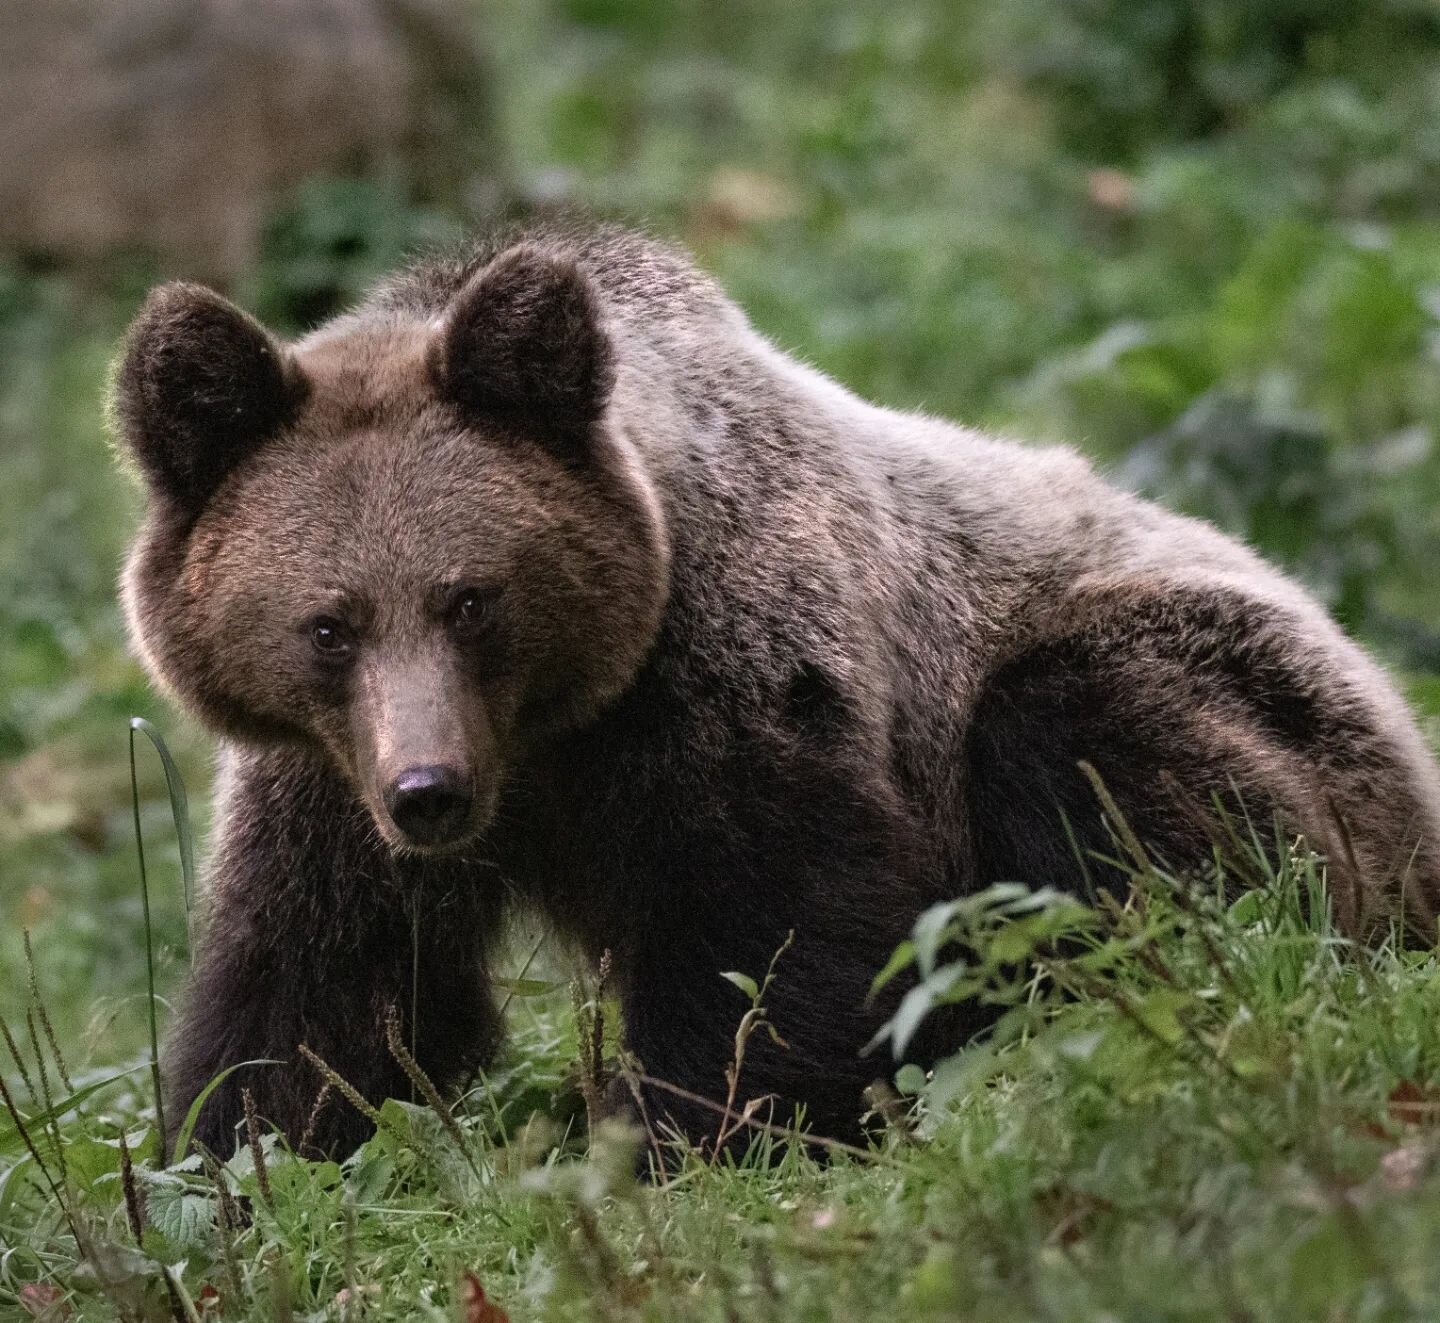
(543, 580)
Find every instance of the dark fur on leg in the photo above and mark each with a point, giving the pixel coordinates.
(795, 834)
(1184, 704)
(308, 940)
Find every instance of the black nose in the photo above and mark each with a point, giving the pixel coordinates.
(429, 804)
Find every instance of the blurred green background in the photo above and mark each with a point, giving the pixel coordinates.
(1199, 239)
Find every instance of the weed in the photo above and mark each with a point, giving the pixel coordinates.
(754, 1019)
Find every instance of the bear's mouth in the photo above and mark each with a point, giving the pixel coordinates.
(450, 845)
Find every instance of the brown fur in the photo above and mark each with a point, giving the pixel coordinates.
(752, 655)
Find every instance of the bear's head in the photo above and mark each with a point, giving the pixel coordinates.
(421, 542)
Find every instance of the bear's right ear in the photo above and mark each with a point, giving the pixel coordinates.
(523, 344)
(198, 387)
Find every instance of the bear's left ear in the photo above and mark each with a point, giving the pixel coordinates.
(523, 344)
(199, 386)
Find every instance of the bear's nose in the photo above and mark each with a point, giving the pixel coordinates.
(429, 804)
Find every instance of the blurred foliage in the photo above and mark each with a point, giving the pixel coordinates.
(1199, 239)
(330, 241)
(1124, 75)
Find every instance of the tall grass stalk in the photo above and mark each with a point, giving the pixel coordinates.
(149, 944)
(180, 814)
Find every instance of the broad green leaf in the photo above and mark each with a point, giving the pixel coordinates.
(910, 1079)
(1248, 909)
(916, 1005)
(184, 1218)
(371, 1176)
(408, 1122)
(937, 1287)
(418, 1131)
(744, 982)
(1160, 1013)
(1013, 943)
(961, 1073)
(242, 1162)
(88, 1161)
(931, 931)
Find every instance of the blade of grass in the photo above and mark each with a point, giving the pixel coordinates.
(11, 1135)
(179, 809)
(187, 1126)
(136, 723)
(513, 986)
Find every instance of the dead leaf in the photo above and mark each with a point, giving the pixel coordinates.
(1072, 1213)
(1411, 1105)
(45, 1301)
(479, 1308)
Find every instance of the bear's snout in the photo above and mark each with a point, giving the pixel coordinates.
(430, 805)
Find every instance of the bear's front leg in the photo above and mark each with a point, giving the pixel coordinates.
(314, 929)
(684, 1021)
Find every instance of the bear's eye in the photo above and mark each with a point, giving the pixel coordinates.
(469, 612)
(330, 637)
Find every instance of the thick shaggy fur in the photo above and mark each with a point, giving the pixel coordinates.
(759, 656)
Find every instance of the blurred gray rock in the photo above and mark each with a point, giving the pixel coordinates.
(170, 127)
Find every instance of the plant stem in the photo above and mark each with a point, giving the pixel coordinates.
(149, 951)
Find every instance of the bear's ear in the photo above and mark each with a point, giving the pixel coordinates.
(199, 386)
(523, 344)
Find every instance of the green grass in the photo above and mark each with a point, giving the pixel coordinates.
(1201, 242)
(1190, 1112)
